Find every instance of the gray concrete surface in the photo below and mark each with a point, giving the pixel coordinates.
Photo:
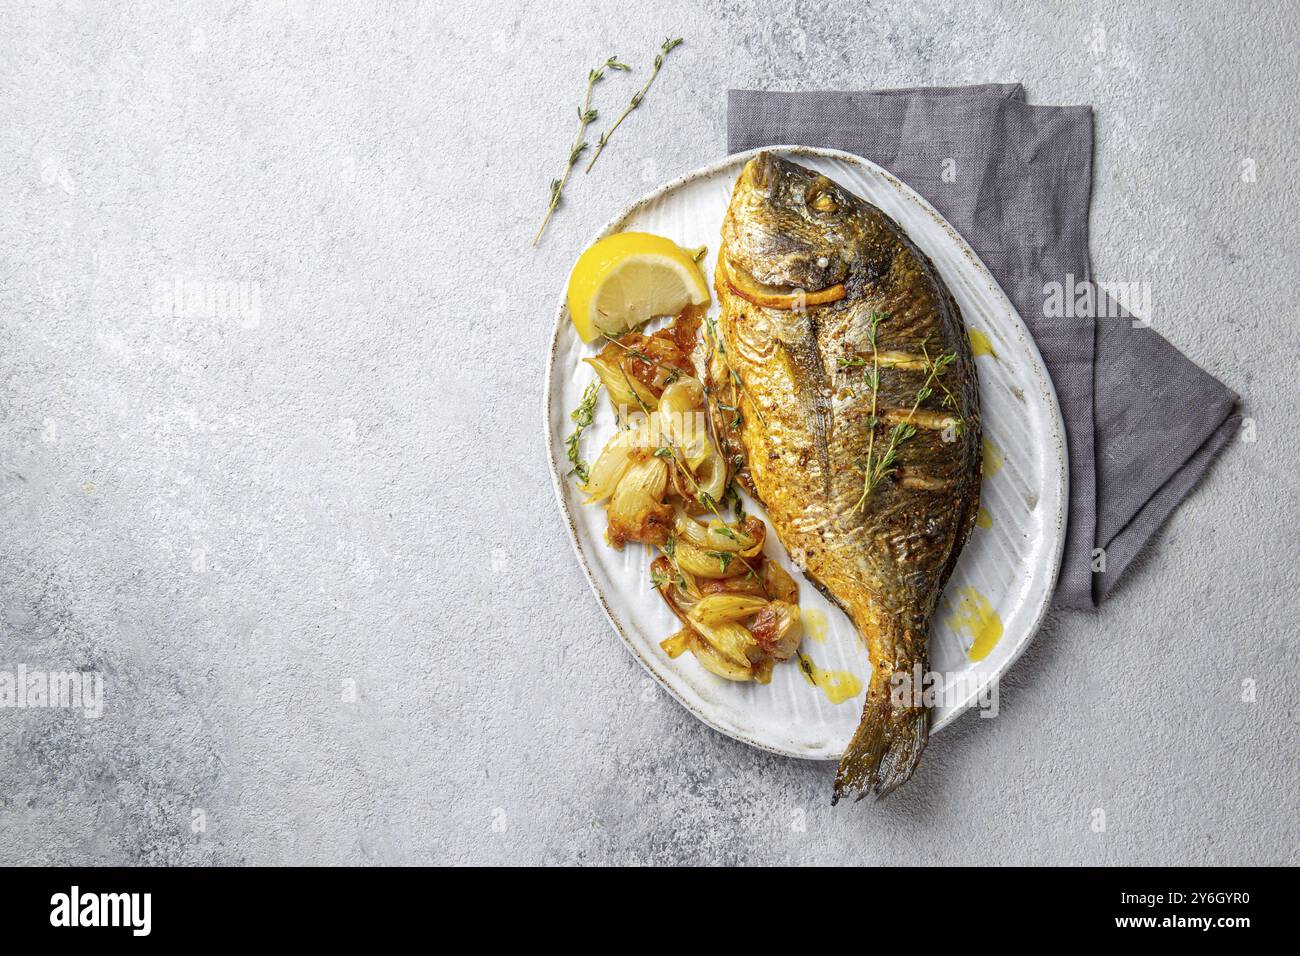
(241, 519)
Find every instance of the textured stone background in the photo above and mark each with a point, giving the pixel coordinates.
(231, 519)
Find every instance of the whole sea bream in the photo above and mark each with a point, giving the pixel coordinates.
(843, 392)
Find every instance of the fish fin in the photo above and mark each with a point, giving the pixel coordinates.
(884, 750)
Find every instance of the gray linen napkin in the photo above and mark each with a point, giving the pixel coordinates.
(1142, 421)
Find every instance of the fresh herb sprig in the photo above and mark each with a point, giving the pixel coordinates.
(736, 503)
(669, 548)
(885, 464)
(645, 409)
(582, 416)
(672, 451)
(586, 116)
(737, 419)
(873, 380)
(664, 49)
(711, 329)
(673, 373)
(724, 558)
(949, 399)
(902, 431)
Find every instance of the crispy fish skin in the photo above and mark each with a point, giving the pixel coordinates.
(803, 269)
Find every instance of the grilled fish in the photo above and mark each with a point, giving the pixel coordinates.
(843, 392)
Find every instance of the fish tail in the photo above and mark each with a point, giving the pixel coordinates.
(885, 749)
(910, 734)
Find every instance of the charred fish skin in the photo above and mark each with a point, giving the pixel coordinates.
(842, 387)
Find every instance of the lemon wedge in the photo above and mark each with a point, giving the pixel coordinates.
(628, 278)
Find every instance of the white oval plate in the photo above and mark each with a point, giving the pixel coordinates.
(1012, 563)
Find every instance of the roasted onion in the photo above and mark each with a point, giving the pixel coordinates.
(636, 510)
(662, 479)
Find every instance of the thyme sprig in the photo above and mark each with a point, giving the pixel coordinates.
(737, 418)
(707, 499)
(645, 409)
(736, 503)
(711, 328)
(873, 325)
(669, 548)
(673, 373)
(724, 558)
(885, 464)
(949, 399)
(878, 468)
(582, 416)
(745, 391)
(586, 116)
(664, 49)
(671, 450)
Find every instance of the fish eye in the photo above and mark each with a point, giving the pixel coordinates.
(822, 199)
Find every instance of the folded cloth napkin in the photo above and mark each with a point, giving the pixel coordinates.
(1015, 179)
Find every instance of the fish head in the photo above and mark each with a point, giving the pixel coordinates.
(789, 227)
